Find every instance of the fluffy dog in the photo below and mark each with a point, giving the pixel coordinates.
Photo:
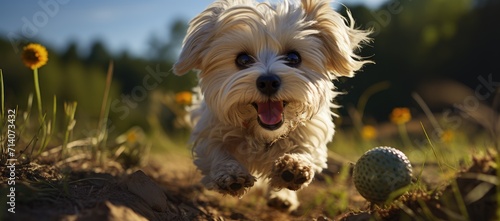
(266, 73)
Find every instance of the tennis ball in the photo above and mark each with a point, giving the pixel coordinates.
(380, 171)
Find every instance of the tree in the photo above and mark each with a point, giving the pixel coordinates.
(167, 50)
(71, 53)
(98, 54)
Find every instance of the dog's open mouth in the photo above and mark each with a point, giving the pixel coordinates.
(270, 114)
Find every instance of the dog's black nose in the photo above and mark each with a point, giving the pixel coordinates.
(268, 84)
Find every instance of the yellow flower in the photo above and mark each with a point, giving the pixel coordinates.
(184, 97)
(400, 115)
(446, 136)
(368, 132)
(34, 56)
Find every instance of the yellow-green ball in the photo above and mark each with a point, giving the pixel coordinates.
(381, 171)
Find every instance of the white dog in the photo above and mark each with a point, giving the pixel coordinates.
(266, 75)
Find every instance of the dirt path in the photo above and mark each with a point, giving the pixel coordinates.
(168, 189)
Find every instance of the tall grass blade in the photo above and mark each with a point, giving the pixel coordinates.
(2, 95)
(26, 115)
(369, 92)
(426, 211)
(419, 176)
(498, 185)
(103, 116)
(432, 148)
(478, 192)
(494, 135)
(50, 127)
(54, 114)
(69, 110)
(427, 111)
(2, 119)
(460, 200)
(496, 120)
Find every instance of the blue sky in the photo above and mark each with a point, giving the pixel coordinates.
(124, 24)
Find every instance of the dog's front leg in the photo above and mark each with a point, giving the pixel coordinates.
(222, 172)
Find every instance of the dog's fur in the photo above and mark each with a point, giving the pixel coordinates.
(232, 145)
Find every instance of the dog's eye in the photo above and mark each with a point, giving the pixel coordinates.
(244, 60)
(292, 59)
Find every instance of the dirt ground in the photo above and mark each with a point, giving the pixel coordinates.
(167, 188)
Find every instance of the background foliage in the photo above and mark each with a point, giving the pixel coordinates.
(415, 43)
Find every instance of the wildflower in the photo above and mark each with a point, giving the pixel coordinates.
(184, 97)
(400, 115)
(446, 136)
(132, 136)
(35, 56)
(368, 132)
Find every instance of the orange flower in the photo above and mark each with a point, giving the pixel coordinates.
(131, 136)
(368, 132)
(446, 136)
(34, 56)
(184, 97)
(400, 115)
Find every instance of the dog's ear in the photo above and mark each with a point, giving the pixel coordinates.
(198, 37)
(340, 38)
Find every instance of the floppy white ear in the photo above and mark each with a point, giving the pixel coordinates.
(339, 39)
(199, 35)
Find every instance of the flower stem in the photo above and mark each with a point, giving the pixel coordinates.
(41, 116)
(37, 92)
(404, 135)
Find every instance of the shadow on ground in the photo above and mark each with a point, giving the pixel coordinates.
(169, 190)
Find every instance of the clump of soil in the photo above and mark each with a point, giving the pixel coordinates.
(46, 192)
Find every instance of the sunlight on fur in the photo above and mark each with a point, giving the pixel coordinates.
(266, 75)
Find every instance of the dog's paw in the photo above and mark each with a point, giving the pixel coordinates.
(289, 172)
(230, 179)
(283, 200)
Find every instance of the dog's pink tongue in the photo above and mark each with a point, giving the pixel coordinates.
(270, 112)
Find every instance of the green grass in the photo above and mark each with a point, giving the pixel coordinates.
(335, 197)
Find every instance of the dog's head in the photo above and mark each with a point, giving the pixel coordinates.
(269, 68)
